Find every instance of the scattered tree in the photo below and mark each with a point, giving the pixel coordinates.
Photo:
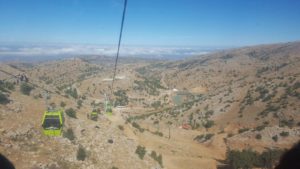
(156, 104)
(204, 137)
(247, 159)
(141, 151)
(81, 154)
(69, 134)
(79, 103)
(209, 124)
(72, 92)
(258, 136)
(284, 134)
(26, 88)
(3, 99)
(62, 104)
(120, 127)
(71, 113)
(121, 98)
(137, 126)
(157, 157)
(275, 138)
(243, 130)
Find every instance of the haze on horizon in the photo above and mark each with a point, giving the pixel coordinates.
(77, 26)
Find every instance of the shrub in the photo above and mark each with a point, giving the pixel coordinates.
(260, 128)
(69, 134)
(7, 85)
(150, 85)
(72, 93)
(26, 88)
(135, 125)
(242, 159)
(79, 103)
(284, 134)
(141, 151)
(2, 88)
(275, 138)
(120, 127)
(230, 135)
(269, 158)
(209, 113)
(153, 154)
(3, 99)
(204, 137)
(156, 104)
(157, 157)
(208, 136)
(62, 104)
(247, 159)
(121, 98)
(81, 154)
(263, 93)
(258, 136)
(243, 130)
(251, 159)
(209, 124)
(270, 108)
(71, 113)
(289, 123)
(158, 133)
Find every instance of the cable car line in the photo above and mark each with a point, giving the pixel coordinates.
(115, 66)
(119, 44)
(35, 85)
(6, 79)
(53, 120)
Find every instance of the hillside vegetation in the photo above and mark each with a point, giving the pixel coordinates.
(210, 110)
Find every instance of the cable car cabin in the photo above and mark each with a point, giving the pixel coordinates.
(108, 109)
(94, 115)
(52, 123)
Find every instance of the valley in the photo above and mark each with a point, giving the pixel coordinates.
(183, 114)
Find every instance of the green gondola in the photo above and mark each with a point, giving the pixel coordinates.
(94, 115)
(52, 123)
(107, 106)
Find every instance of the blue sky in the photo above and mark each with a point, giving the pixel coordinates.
(151, 22)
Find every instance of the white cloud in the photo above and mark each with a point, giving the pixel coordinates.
(70, 50)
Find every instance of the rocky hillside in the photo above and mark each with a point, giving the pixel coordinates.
(84, 144)
(249, 97)
(238, 89)
(176, 114)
